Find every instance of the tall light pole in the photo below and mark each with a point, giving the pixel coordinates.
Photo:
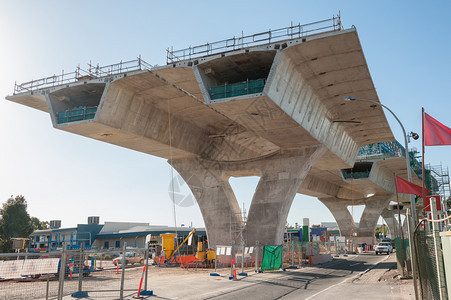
(409, 176)
(409, 171)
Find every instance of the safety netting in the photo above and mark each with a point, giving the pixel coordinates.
(272, 258)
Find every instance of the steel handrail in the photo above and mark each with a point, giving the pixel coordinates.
(271, 36)
(93, 72)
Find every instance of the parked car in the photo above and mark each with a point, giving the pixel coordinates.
(384, 247)
(130, 259)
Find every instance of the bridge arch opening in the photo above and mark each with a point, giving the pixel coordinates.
(244, 190)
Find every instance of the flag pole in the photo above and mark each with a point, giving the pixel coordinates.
(401, 234)
(423, 194)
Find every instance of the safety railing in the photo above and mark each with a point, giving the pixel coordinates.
(237, 89)
(77, 114)
(355, 175)
(388, 149)
(80, 74)
(266, 37)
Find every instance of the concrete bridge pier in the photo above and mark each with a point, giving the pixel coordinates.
(368, 222)
(214, 195)
(339, 209)
(391, 222)
(280, 177)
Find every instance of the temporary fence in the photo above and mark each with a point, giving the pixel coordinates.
(237, 260)
(29, 276)
(402, 253)
(272, 258)
(430, 273)
(112, 273)
(429, 255)
(426, 264)
(77, 273)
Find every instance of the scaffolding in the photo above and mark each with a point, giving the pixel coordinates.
(238, 223)
(441, 175)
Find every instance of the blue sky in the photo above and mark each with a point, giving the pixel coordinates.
(69, 177)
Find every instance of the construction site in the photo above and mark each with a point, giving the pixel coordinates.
(272, 105)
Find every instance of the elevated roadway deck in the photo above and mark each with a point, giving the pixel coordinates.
(294, 130)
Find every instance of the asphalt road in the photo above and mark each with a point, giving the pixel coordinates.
(310, 283)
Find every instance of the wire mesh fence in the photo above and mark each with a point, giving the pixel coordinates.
(427, 265)
(29, 276)
(111, 273)
(77, 273)
(237, 260)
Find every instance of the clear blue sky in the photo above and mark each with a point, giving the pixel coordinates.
(69, 177)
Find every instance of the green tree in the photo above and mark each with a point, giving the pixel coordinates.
(381, 230)
(15, 222)
(38, 224)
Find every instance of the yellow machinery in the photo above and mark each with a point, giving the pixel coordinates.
(207, 255)
(168, 241)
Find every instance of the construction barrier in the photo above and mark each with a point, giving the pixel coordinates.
(76, 272)
(272, 258)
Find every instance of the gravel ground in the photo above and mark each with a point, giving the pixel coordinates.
(387, 276)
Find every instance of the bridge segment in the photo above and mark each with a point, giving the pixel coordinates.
(272, 110)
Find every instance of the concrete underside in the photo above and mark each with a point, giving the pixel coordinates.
(168, 112)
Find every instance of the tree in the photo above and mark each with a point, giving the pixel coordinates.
(381, 230)
(15, 222)
(38, 224)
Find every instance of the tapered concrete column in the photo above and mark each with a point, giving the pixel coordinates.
(368, 222)
(339, 209)
(392, 223)
(214, 196)
(280, 177)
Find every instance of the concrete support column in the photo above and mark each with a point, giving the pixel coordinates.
(368, 222)
(339, 209)
(281, 177)
(392, 222)
(214, 196)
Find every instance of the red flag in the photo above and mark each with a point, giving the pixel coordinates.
(405, 187)
(435, 133)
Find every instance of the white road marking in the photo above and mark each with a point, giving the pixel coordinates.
(311, 297)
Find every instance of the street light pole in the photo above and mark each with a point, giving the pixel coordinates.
(409, 171)
(409, 176)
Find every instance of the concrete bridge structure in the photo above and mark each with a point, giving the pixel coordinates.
(273, 109)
